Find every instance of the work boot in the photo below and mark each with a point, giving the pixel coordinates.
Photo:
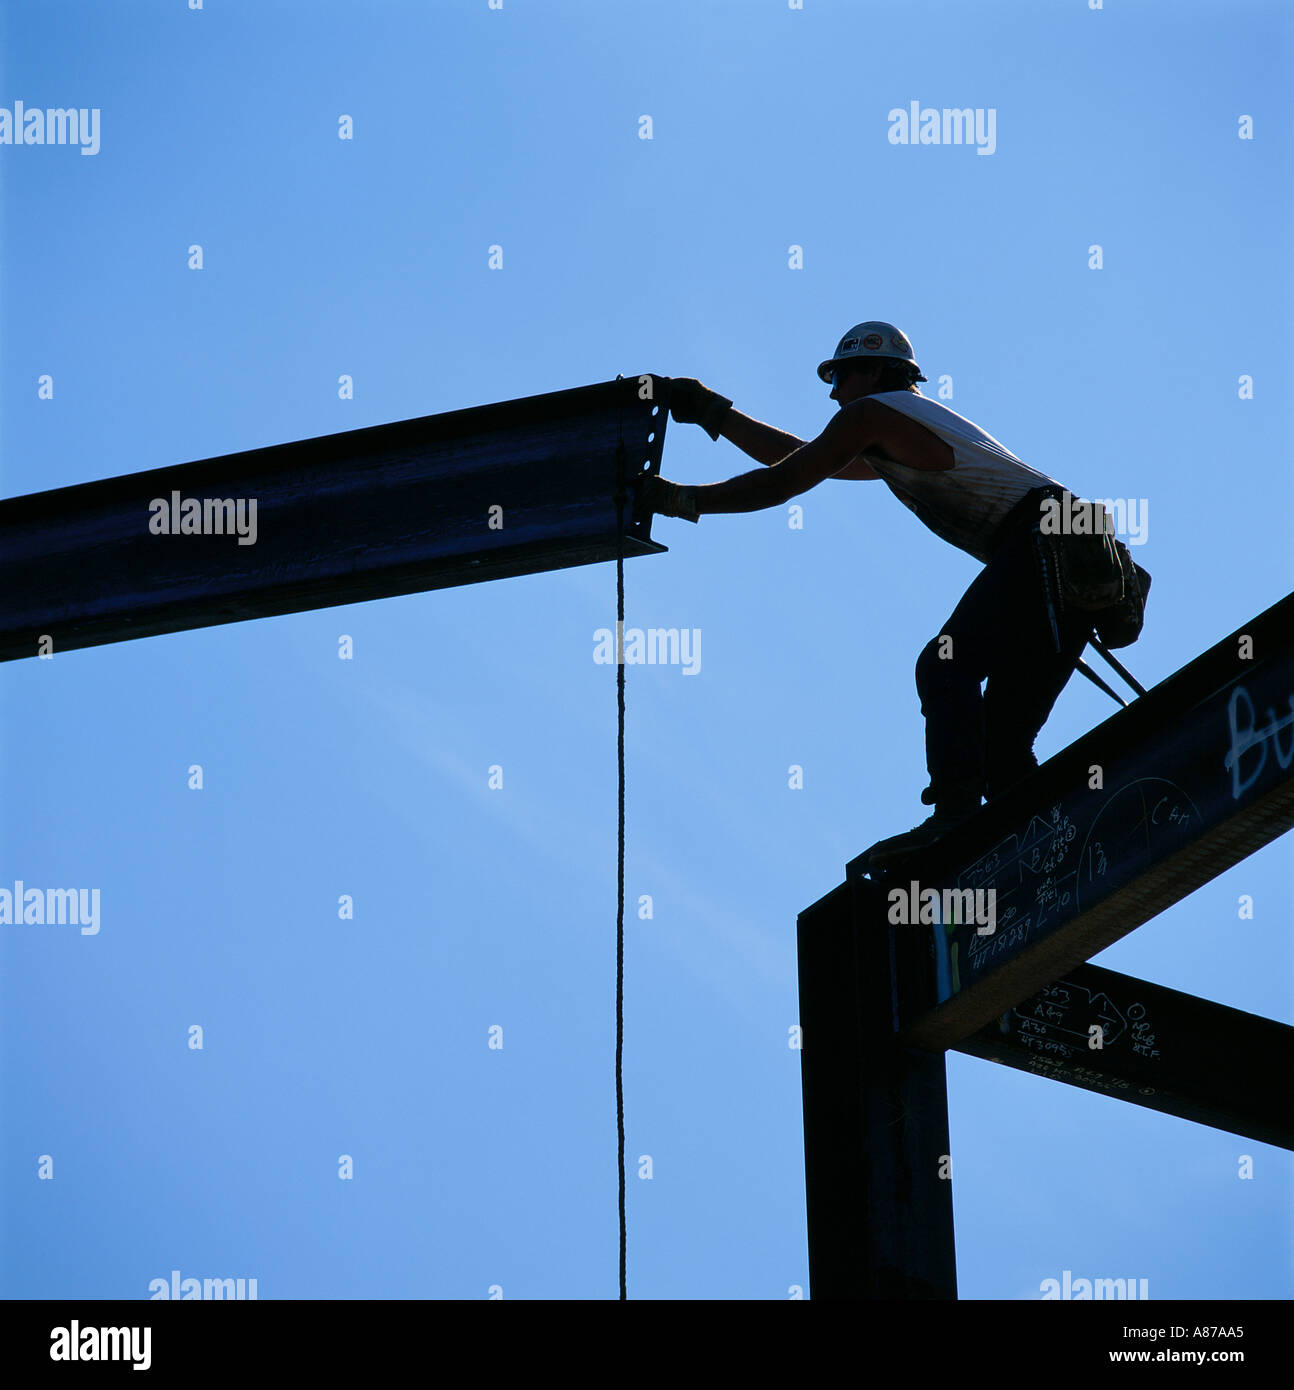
(955, 804)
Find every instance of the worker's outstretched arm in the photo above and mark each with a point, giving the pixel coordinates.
(846, 436)
(856, 429)
(764, 443)
(693, 403)
(768, 445)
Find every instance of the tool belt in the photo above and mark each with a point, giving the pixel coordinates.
(1092, 575)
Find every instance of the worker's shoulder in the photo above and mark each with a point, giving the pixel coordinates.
(906, 428)
(912, 403)
(936, 417)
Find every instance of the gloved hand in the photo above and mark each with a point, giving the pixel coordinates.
(690, 403)
(657, 494)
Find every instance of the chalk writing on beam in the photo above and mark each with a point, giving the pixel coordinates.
(1139, 822)
(1248, 739)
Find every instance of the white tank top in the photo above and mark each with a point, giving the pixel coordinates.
(964, 504)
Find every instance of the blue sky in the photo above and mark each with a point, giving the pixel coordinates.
(477, 1168)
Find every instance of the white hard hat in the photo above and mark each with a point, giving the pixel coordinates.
(871, 339)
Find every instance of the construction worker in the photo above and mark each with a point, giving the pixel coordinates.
(967, 488)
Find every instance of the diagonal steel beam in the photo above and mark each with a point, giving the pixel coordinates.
(486, 493)
(1162, 797)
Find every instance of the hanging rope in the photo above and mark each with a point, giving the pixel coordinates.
(620, 758)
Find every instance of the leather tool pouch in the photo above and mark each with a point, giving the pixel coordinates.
(1098, 577)
(1120, 624)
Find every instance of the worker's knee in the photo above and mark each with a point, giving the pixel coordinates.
(937, 667)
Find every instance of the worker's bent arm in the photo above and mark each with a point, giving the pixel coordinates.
(849, 433)
(764, 443)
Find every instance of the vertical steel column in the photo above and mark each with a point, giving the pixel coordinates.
(875, 1114)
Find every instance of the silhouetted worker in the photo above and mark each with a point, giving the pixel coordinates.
(967, 488)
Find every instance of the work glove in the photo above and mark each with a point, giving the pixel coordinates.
(690, 403)
(657, 494)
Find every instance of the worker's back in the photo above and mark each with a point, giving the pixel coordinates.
(964, 504)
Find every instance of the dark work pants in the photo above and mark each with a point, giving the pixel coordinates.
(1001, 633)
